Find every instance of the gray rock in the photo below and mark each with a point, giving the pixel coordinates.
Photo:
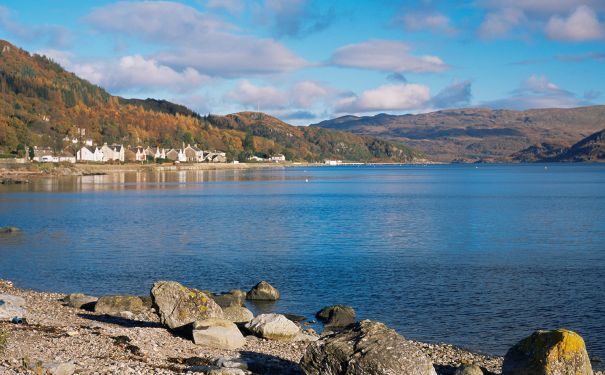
(60, 368)
(115, 305)
(557, 352)
(365, 348)
(336, 316)
(11, 306)
(237, 314)
(217, 333)
(178, 305)
(78, 300)
(232, 363)
(469, 370)
(10, 230)
(263, 291)
(273, 327)
(234, 297)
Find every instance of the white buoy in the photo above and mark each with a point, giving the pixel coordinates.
(306, 180)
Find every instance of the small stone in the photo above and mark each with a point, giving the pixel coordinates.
(336, 316)
(237, 314)
(217, 333)
(115, 305)
(79, 300)
(469, 370)
(273, 327)
(263, 291)
(60, 368)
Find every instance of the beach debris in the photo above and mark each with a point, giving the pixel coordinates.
(548, 353)
(365, 348)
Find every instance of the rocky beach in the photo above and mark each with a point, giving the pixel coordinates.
(132, 335)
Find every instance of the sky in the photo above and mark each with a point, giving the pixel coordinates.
(305, 61)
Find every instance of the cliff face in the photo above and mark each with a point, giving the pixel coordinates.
(477, 134)
(41, 104)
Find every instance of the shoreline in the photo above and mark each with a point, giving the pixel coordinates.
(55, 333)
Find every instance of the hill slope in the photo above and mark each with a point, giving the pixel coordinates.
(477, 134)
(41, 104)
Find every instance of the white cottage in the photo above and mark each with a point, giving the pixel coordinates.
(89, 153)
(113, 152)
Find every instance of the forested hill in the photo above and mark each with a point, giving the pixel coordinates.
(42, 103)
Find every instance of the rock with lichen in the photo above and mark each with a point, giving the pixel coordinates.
(178, 305)
(556, 352)
(365, 348)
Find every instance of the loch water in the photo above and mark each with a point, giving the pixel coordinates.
(473, 255)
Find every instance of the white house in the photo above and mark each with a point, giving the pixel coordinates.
(278, 158)
(157, 153)
(139, 153)
(88, 153)
(113, 152)
(194, 154)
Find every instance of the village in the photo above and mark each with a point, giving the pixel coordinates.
(85, 151)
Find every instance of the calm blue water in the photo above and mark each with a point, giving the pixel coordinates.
(474, 256)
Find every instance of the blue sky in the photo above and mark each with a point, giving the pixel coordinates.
(305, 60)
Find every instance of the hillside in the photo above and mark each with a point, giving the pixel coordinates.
(42, 104)
(477, 134)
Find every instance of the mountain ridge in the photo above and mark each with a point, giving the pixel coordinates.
(477, 134)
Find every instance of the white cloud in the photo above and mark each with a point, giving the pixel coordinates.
(500, 23)
(458, 94)
(544, 7)
(537, 92)
(231, 6)
(130, 73)
(267, 97)
(422, 21)
(581, 25)
(386, 98)
(306, 93)
(292, 17)
(302, 95)
(386, 55)
(194, 39)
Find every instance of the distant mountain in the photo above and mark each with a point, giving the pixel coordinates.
(41, 104)
(477, 134)
(589, 149)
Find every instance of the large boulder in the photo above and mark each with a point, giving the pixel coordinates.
(79, 300)
(11, 307)
(235, 297)
(178, 305)
(557, 352)
(273, 327)
(263, 291)
(336, 316)
(116, 305)
(365, 348)
(237, 314)
(217, 333)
